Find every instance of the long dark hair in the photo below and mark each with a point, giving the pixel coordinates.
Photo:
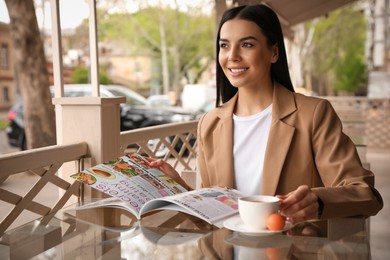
(269, 24)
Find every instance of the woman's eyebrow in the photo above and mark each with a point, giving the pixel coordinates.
(248, 38)
(241, 40)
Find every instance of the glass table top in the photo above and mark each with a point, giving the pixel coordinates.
(116, 234)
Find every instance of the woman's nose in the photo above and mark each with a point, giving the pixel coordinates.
(234, 55)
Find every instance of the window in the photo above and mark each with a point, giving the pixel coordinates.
(4, 56)
(6, 95)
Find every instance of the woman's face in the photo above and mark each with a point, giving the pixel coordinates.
(244, 54)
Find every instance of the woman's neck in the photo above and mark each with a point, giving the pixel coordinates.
(252, 101)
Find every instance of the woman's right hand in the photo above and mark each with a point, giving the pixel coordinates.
(168, 170)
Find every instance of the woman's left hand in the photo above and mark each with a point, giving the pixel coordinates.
(299, 205)
(168, 170)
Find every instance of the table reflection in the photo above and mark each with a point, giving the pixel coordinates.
(116, 234)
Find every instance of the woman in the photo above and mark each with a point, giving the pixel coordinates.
(266, 139)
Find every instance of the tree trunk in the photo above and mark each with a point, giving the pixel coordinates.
(220, 8)
(31, 68)
(164, 54)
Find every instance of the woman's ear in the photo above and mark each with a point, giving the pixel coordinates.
(275, 55)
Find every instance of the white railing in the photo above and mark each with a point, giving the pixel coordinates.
(175, 143)
(44, 164)
(365, 120)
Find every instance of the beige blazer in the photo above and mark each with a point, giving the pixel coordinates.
(306, 145)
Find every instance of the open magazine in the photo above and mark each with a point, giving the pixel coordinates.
(135, 186)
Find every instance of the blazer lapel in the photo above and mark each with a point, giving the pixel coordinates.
(279, 139)
(224, 148)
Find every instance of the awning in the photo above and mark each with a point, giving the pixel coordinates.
(292, 12)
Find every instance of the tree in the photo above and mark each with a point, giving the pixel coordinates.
(182, 43)
(219, 7)
(31, 74)
(81, 75)
(337, 55)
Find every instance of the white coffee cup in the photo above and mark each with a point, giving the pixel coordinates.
(254, 210)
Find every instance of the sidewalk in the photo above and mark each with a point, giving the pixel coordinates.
(3, 115)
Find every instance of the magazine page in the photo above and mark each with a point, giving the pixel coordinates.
(210, 204)
(130, 179)
(110, 202)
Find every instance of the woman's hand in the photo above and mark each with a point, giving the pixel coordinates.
(168, 170)
(299, 205)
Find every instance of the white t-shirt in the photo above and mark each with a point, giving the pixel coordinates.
(250, 142)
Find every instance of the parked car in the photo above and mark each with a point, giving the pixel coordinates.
(135, 113)
(160, 100)
(194, 96)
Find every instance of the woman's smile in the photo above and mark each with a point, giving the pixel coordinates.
(237, 71)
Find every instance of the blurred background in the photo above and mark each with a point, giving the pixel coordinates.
(163, 51)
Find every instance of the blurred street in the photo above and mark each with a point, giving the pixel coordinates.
(4, 146)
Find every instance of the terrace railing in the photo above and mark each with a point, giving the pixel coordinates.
(175, 143)
(367, 119)
(44, 164)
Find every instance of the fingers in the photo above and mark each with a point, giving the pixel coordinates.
(164, 167)
(152, 160)
(300, 205)
(155, 162)
(168, 170)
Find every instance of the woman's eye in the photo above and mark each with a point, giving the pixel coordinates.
(247, 45)
(223, 45)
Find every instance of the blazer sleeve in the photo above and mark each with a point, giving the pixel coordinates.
(348, 187)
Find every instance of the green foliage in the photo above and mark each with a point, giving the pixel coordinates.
(350, 71)
(3, 124)
(104, 78)
(338, 49)
(81, 75)
(189, 34)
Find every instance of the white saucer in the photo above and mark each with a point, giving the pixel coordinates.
(236, 224)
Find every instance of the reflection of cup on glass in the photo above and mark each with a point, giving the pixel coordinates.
(254, 210)
(273, 253)
(265, 247)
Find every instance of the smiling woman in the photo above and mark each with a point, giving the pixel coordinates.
(263, 138)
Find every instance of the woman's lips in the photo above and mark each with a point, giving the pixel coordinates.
(237, 71)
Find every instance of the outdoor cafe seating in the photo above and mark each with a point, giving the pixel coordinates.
(87, 134)
(60, 232)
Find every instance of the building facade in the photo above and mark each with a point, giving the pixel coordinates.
(7, 77)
